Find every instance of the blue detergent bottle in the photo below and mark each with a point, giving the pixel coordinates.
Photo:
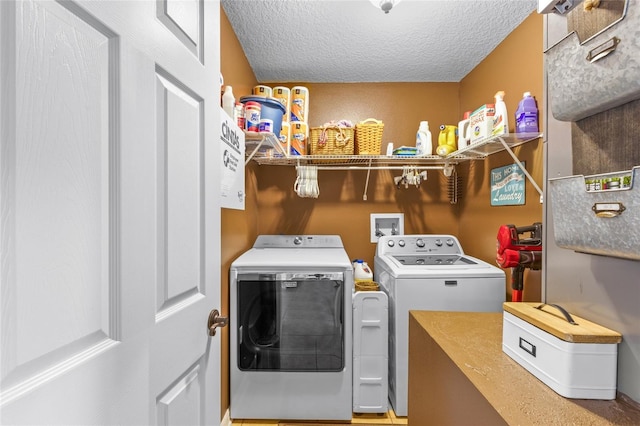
(527, 115)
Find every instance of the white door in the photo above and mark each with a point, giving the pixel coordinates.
(110, 239)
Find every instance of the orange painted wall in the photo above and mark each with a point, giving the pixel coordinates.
(239, 227)
(340, 208)
(272, 207)
(507, 68)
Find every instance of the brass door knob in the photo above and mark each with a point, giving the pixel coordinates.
(215, 321)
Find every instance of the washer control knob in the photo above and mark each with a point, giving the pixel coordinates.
(450, 242)
(297, 241)
(401, 243)
(390, 243)
(438, 242)
(420, 242)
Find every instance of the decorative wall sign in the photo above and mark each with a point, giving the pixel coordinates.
(508, 186)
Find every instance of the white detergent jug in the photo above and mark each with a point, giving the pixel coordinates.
(424, 143)
(361, 271)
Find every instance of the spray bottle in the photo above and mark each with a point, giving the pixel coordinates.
(501, 119)
(424, 142)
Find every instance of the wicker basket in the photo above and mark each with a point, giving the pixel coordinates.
(369, 137)
(367, 286)
(331, 140)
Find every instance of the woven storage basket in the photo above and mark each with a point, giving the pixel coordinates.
(331, 140)
(369, 136)
(367, 286)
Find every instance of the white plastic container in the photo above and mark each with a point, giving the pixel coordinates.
(228, 101)
(361, 271)
(389, 149)
(266, 125)
(582, 364)
(501, 119)
(424, 142)
(370, 352)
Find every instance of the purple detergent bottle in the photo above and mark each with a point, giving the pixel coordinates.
(527, 115)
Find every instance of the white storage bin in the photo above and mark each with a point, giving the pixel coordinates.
(575, 360)
(370, 352)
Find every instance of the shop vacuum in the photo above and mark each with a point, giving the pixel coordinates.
(518, 251)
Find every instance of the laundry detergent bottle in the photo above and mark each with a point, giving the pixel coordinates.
(447, 140)
(501, 119)
(361, 271)
(424, 142)
(527, 115)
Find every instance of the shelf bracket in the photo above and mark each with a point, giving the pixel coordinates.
(448, 169)
(519, 163)
(254, 151)
(366, 185)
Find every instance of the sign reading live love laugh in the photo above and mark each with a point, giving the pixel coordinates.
(507, 186)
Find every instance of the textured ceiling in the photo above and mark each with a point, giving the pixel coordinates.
(337, 41)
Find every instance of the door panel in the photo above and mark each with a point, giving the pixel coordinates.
(185, 21)
(56, 300)
(182, 402)
(109, 210)
(180, 143)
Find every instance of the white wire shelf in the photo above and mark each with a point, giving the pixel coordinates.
(494, 144)
(265, 148)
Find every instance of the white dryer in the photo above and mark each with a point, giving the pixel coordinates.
(429, 272)
(291, 329)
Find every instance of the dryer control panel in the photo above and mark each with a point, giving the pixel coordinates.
(408, 244)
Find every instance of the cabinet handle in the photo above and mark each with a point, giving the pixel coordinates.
(608, 209)
(603, 50)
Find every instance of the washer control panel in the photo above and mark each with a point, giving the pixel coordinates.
(298, 241)
(406, 244)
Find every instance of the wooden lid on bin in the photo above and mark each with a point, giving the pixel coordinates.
(552, 319)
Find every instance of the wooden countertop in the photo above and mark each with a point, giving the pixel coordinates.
(473, 341)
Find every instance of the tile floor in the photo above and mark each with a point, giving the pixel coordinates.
(387, 419)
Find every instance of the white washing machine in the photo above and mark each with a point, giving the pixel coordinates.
(429, 272)
(291, 329)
